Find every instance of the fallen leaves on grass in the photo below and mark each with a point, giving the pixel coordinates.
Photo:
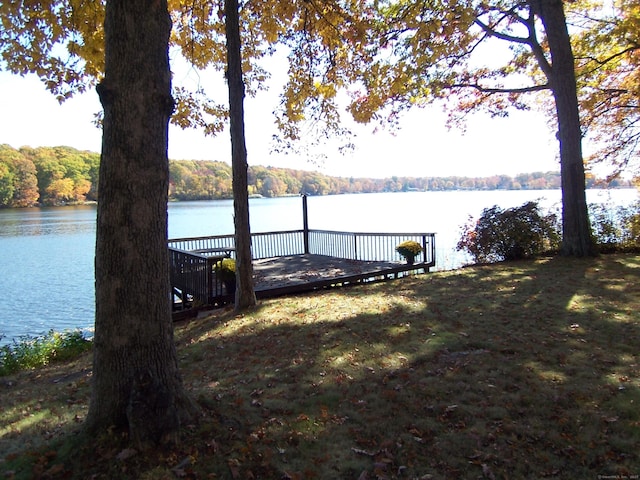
(503, 371)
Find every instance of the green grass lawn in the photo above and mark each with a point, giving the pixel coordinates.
(507, 371)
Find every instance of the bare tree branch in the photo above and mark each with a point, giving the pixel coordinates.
(502, 36)
(493, 90)
(600, 63)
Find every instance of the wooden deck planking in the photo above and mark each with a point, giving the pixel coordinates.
(297, 273)
(303, 273)
(281, 268)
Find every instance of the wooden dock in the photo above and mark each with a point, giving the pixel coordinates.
(292, 261)
(298, 273)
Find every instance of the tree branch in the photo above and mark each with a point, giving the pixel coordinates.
(502, 36)
(535, 46)
(531, 40)
(600, 63)
(493, 90)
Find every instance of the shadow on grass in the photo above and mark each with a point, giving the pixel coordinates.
(39, 408)
(529, 370)
(522, 370)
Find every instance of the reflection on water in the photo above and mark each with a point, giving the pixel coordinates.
(46, 254)
(47, 221)
(46, 269)
(199, 219)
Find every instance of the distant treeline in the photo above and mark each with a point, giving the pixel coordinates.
(64, 175)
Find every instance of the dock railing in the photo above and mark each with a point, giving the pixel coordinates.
(193, 277)
(371, 246)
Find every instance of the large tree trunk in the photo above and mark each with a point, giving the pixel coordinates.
(245, 293)
(576, 229)
(136, 382)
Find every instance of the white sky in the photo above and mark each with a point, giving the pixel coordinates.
(30, 116)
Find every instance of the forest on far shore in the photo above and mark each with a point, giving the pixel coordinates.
(63, 175)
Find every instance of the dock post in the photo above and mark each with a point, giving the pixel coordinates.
(305, 224)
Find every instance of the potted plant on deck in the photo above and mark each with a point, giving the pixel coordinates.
(226, 270)
(408, 250)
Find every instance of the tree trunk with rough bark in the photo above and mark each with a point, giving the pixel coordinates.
(136, 382)
(245, 293)
(576, 229)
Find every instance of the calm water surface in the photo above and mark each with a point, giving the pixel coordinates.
(46, 254)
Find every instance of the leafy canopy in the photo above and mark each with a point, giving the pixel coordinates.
(62, 42)
(387, 55)
(494, 56)
(608, 56)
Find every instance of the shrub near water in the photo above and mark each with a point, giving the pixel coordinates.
(511, 234)
(524, 232)
(39, 351)
(616, 228)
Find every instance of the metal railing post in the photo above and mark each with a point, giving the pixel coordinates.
(305, 224)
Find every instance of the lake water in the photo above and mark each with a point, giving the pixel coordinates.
(46, 254)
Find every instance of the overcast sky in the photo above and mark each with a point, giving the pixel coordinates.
(30, 116)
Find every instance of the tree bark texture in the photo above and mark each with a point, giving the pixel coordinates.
(576, 229)
(245, 293)
(136, 382)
